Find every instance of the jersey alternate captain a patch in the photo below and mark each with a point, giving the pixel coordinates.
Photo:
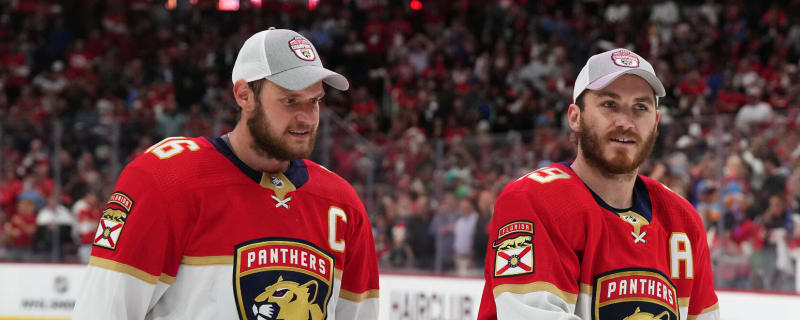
(113, 220)
(277, 278)
(514, 249)
(634, 294)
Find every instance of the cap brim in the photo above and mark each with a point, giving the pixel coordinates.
(647, 76)
(302, 77)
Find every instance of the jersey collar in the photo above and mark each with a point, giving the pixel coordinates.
(297, 173)
(641, 198)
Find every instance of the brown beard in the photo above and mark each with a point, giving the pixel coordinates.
(271, 146)
(590, 145)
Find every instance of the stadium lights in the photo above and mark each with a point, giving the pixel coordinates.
(228, 5)
(312, 5)
(415, 5)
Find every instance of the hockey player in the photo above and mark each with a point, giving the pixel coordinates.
(592, 239)
(239, 226)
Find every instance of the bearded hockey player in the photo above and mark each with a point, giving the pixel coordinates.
(239, 226)
(592, 239)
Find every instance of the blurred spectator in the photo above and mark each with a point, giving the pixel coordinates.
(20, 228)
(54, 225)
(87, 211)
(463, 235)
(442, 227)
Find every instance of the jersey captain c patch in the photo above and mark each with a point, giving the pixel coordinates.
(277, 278)
(514, 249)
(113, 220)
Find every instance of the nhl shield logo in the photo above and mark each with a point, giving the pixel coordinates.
(625, 58)
(113, 220)
(514, 254)
(302, 48)
(277, 182)
(278, 278)
(634, 294)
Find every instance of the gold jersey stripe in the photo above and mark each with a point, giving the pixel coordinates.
(585, 288)
(358, 297)
(166, 279)
(337, 273)
(706, 310)
(683, 302)
(207, 261)
(570, 298)
(133, 271)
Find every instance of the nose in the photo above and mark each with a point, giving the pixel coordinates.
(308, 115)
(623, 120)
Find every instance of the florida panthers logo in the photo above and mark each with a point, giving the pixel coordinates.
(282, 279)
(288, 300)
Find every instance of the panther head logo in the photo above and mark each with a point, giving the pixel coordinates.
(288, 300)
(637, 315)
(513, 243)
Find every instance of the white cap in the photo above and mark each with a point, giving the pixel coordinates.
(285, 58)
(603, 68)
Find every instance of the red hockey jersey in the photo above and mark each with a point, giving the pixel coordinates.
(558, 251)
(191, 232)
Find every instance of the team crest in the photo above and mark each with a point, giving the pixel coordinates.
(637, 221)
(113, 220)
(277, 278)
(302, 48)
(514, 249)
(625, 58)
(634, 294)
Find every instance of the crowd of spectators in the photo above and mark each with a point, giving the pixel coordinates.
(447, 104)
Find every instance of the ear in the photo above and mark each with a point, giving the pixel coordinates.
(574, 117)
(658, 116)
(311, 285)
(243, 95)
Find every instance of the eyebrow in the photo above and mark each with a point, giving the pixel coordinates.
(290, 94)
(646, 99)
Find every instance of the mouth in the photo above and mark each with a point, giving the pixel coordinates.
(623, 141)
(299, 133)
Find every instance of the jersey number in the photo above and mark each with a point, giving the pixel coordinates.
(680, 250)
(172, 146)
(549, 174)
(334, 215)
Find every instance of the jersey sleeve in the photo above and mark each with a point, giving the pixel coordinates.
(136, 249)
(703, 304)
(531, 272)
(358, 297)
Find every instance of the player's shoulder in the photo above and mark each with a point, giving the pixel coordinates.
(664, 198)
(326, 182)
(172, 157)
(556, 178)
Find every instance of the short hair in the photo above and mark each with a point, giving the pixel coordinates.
(256, 86)
(579, 100)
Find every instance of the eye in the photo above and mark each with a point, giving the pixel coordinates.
(608, 104)
(289, 101)
(642, 107)
(280, 293)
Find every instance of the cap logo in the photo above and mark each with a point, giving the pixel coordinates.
(624, 58)
(302, 48)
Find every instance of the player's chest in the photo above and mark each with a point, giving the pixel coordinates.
(634, 265)
(287, 222)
